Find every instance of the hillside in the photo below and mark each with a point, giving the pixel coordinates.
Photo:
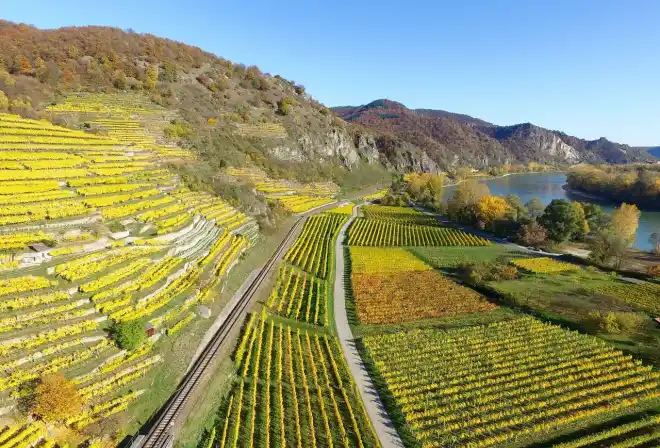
(97, 236)
(460, 139)
(233, 115)
(237, 115)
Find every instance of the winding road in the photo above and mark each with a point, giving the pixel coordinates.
(385, 430)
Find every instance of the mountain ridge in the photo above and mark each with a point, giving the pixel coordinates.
(445, 133)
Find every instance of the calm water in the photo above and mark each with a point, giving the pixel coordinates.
(548, 186)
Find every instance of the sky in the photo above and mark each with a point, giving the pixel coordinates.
(589, 68)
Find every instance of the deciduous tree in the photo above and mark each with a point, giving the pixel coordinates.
(625, 221)
(532, 234)
(55, 398)
(152, 77)
(4, 101)
(535, 207)
(491, 208)
(582, 226)
(461, 206)
(595, 216)
(609, 247)
(654, 239)
(129, 335)
(517, 209)
(559, 220)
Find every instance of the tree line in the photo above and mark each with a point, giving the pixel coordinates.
(609, 236)
(636, 184)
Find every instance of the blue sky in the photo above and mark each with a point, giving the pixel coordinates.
(588, 68)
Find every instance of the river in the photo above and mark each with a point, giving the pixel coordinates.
(548, 186)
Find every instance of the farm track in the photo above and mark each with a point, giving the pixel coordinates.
(380, 419)
(160, 434)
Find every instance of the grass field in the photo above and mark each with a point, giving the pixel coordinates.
(451, 257)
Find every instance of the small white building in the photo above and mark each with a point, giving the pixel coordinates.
(119, 235)
(39, 254)
(204, 311)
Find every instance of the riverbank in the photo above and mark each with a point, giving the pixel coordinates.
(605, 199)
(585, 195)
(501, 176)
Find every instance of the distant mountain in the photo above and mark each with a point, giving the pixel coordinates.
(653, 150)
(461, 118)
(454, 139)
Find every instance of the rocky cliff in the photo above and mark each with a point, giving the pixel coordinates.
(455, 139)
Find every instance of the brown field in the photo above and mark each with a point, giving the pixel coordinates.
(413, 295)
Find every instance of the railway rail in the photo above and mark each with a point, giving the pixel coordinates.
(160, 434)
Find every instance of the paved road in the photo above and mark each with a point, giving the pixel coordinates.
(385, 430)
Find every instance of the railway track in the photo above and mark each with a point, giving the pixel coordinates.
(160, 434)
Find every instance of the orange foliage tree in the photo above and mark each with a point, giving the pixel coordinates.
(55, 398)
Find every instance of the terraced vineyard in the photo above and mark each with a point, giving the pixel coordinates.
(93, 230)
(293, 196)
(517, 381)
(346, 209)
(375, 196)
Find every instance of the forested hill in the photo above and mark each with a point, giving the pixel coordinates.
(236, 115)
(445, 135)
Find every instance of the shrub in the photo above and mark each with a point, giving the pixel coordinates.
(129, 335)
(618, 322)
(4, 101)
(55, 398)
(477, 273)
(178, 130)
(221, 84)
(284, 105)
(168, 72)
(205, 80)
(654, 270)
(120, 80)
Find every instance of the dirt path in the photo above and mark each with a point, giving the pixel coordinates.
(383, 426)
